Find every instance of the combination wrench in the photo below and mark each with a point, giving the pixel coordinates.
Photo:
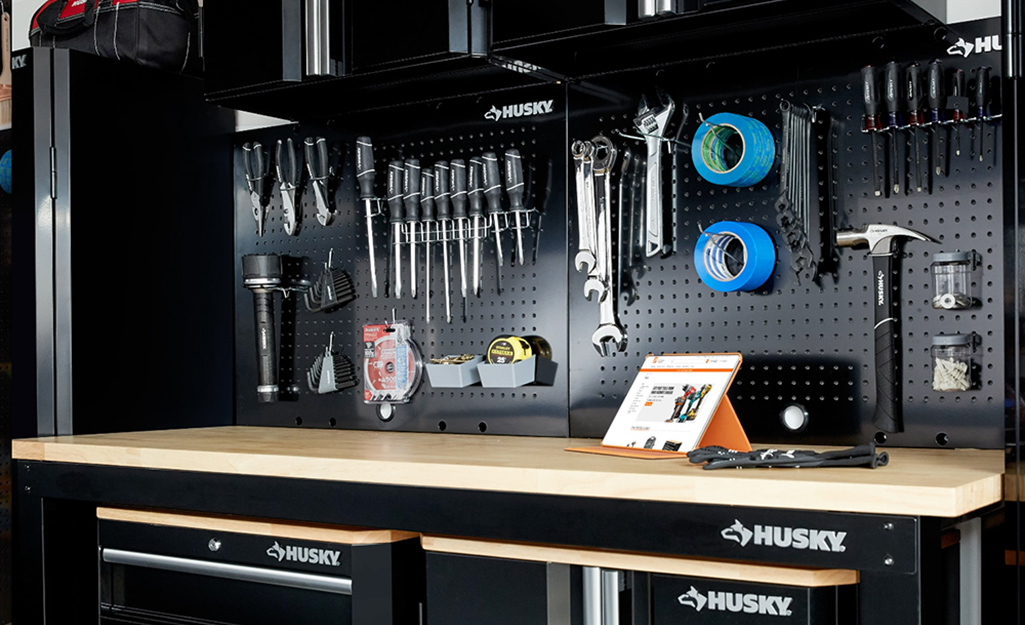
(609, 333)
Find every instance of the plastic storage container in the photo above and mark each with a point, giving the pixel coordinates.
(952, 363)
(952, 280)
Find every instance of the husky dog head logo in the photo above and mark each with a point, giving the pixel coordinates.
(276, 551)
(961, 48)
(693, 598)
(494, 114)
(737, 533)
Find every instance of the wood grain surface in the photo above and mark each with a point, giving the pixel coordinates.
(625, 561)
(930, 482)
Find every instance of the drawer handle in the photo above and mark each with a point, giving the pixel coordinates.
(290, 579)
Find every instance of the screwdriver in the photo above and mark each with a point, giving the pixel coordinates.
(476, 197)
(493, 192)
(958, 90)
(458, 171)
(411, 198)
(395, 177)
(514, 187)
(427, 205)
(937, 106)
(442, 197)
(892, 87)
(981, 106)
(871, 122)
(365, 178)
(913, 85)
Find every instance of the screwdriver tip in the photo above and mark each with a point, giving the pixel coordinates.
(878, 193)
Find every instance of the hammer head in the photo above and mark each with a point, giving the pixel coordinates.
(880, 238)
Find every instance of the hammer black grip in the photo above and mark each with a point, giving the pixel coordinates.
(887, 344)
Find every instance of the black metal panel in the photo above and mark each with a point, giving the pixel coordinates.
(805, 342)
(807, 538)
(679, 599)
(462, 590)
(533, 301)
(6, 414)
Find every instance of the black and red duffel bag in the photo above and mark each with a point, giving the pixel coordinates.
(153, 33)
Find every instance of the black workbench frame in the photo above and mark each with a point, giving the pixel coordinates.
(898, 556)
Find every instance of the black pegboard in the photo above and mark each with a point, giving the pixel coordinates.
(805, 342)
(533, 299)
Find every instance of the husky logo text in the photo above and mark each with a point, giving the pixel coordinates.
(310, 555)
(736, 602)
(989, 43)
(786, 537)
(527, 109)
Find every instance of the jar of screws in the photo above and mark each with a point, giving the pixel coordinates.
(952, 277)
(952, 362)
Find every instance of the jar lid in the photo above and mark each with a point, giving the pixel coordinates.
(952, 257)
(951, 339)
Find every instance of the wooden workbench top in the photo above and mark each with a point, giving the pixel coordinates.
(944, 483)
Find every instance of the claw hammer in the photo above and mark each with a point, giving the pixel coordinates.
(883, 242)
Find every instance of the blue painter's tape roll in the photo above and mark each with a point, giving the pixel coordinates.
(733, 150)
(746, 245)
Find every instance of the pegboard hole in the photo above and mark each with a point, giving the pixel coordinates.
(483, 427)
(442, 426)
(880, 438)
(942, 439)
(298, 420)
(332, 422)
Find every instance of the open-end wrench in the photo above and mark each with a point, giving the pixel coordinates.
(599, 279)
(652, 124)
(585, 258)
(609, 333)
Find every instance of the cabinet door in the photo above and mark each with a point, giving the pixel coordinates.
(253, 44)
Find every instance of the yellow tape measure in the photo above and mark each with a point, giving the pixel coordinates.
(506, 350)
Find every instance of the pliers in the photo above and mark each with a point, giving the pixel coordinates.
(287, 166)
(256, 171)
(317, 166)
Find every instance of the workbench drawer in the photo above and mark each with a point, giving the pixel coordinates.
(158, 567)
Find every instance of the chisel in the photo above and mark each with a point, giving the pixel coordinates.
(892, 90)
(476, 197)
(493, 192)
(981, 107)
(871, 123)
(913, 86)
(442, 197)
(395, 180)
(958, 90)
(411, 199)
(427, 206)
(514, 187)
(365, 177)
(937, 106)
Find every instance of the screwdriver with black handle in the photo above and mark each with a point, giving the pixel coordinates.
(396, 174)
(493, 193)
(411, 199)
(871, 123)
(892, 80)
(937, 109)
(913, 89)
(981, 107)
(442, 198)
(365, 178)
(514, 187)
(476, 197)
(427, 206)
(460, 217)
(958, 91)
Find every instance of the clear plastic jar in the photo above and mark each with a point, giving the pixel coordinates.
(952, 277)
(952, 362)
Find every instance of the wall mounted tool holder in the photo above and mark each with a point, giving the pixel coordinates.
(805, 341)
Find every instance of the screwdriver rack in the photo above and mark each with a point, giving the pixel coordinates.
(804, 342)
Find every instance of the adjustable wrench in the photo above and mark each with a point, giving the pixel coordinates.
(585, 259)
(652, 124)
